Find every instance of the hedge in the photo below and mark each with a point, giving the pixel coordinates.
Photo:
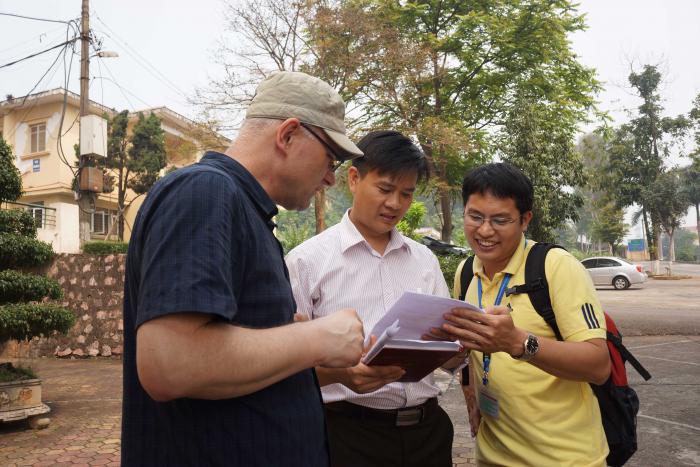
(17, 221)
(105, 248)
(22, 321)
(448, 265)
(18, 251)
(17, 286)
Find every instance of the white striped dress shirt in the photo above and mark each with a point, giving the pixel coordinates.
(338, 269)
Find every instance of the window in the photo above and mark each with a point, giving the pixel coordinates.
(37, 136)
(102, 220)
(607, 263)
(589, 263)
(38, 213)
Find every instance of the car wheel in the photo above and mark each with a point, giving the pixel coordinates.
(620, 283)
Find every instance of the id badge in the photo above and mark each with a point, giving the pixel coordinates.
(488, 403)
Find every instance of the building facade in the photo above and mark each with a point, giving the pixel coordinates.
(43, 130)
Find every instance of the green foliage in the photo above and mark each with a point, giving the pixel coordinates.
(449, 72)
(105, 248)
(685, 245)
(667, 200)
(293, 228)
(448, 266)
(147, 153)
(539, 141)
(17, 286)
(22, 321)
(19, 251)
(17, 221)
(137, 159)
(10, 178)
(639, 148)
(412, 220)
(609, 225)
(9, 372)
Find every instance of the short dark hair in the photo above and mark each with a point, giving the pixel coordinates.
(501, 180)
(390, 152)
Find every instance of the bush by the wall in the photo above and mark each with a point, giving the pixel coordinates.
(105, 248)
(17, 221)
(19, 251)
(17, 286)
(22, 321)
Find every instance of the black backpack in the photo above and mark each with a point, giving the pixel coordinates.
(618, 402)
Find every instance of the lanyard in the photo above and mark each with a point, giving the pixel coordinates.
(499, 297)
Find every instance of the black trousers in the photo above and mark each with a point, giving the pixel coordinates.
(357, 441)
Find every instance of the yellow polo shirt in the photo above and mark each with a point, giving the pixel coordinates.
(543, 420)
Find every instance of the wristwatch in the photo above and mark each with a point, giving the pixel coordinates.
(530, 348)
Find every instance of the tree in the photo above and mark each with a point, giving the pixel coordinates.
(135, 160)
(638, 150)
(540, 143)
(24, 311)
(449, 73)
(669, 204)
(412, 220)
(692, 173)
(609, 226)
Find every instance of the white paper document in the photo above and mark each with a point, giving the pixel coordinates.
(414, 314)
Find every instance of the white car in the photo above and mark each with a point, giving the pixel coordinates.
(610, 270)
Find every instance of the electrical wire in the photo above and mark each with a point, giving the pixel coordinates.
(34, 18)
(38, 53)
(136, 56)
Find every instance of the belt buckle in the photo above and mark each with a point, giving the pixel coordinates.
(410, 416)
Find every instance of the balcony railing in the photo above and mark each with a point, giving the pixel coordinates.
(45, 217)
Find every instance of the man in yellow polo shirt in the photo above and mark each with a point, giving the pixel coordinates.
(533, 404)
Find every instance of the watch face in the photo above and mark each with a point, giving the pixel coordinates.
(532, 345)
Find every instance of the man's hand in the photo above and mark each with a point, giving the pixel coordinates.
(472, 408)
(363, 379)
(492, 331)
(341, 336)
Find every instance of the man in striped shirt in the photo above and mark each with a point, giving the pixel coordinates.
(363, 262)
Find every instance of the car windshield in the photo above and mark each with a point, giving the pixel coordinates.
(623, 260)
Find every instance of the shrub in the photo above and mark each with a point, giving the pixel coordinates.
(17, 286)
(19, 251)
(105, 248)
(448, 265)
(17, 221)
(22, 321)
(9, 372)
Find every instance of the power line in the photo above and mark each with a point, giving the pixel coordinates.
(35, 19)
(142, 61)
(39, 53)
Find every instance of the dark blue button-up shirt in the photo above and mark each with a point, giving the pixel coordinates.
(203, 242)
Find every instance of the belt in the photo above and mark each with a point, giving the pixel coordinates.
(397, 417)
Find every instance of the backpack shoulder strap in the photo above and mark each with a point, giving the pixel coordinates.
(465, 277)
(536, 285)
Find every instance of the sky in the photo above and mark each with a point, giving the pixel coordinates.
(166, 50)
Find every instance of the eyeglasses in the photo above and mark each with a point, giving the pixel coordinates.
(497, 222)
(330, 152)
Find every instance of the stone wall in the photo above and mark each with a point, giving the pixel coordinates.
(93, 288)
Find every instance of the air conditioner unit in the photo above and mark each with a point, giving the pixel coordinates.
(93, 136)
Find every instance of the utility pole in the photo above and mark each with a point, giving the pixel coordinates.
(86, 197)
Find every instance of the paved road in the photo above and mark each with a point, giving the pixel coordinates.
(658, 307)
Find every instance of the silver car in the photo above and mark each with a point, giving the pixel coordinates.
(610, 270)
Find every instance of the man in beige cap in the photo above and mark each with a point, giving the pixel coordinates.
(215, 370)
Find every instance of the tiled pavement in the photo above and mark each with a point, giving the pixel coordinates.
(85, 401)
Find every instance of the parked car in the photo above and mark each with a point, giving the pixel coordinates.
(441, 248)
(610, 270)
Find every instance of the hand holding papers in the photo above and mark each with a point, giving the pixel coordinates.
(400, 332)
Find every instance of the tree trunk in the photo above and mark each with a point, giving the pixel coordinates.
(671, 247)
(446, 208)
(697, 222)
(320, 209)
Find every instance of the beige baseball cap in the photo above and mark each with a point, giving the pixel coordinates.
(291, 94)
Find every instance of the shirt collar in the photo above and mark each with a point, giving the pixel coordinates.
(513, 265)
(262, 201)
(351, 236)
